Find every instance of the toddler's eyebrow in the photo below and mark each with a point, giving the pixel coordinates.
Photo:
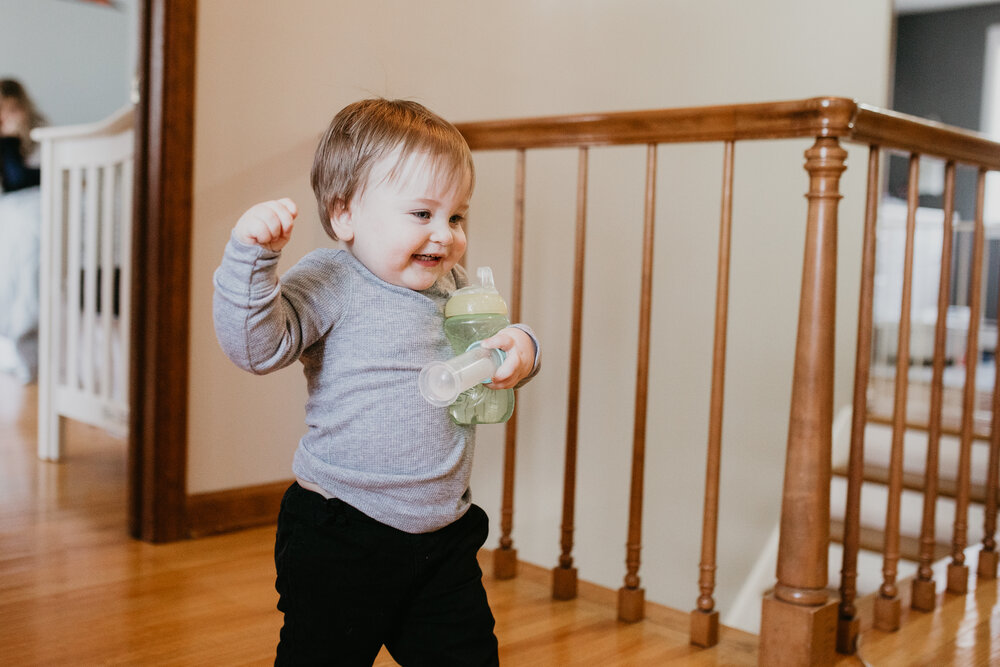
(430, 202)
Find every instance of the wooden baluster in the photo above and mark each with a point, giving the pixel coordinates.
(958, 571)
(798, 624)
(847, 625)
(564, 578)
(631, 598)
(987, 568)
(705, 618)
(505, 558)
(923, 590)
(887, 604)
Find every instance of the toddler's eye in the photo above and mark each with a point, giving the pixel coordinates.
(456, 219)
(423, 215)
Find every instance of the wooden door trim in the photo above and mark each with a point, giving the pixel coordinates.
(157, 468)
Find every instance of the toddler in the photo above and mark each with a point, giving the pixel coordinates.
(377, 538)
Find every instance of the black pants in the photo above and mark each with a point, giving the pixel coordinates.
(349, 584)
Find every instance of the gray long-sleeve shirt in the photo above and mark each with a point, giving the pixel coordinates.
(372, 440)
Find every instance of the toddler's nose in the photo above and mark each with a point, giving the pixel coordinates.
(442, 233)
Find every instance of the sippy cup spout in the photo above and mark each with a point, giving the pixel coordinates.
(485, 275)
(477, 299)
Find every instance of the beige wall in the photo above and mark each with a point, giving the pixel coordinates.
(268, 81)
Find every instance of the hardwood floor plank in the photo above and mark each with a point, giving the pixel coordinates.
(75, 589)
(962, 630)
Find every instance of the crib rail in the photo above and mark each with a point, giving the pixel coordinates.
(800, 621)
(85, 276)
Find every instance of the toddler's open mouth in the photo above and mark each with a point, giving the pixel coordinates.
(427, 258)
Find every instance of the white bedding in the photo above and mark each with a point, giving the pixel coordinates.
(20, 223)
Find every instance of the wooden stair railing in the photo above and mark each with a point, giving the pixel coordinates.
(958, 572)
(705, 618)
(505, 557)
(800, 622)
(923, 590)
(887, 604)
(927, 548)
(564, 575)
(848, 626)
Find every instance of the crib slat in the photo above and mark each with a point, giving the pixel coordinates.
(57, 297)
(69, 348)
(50, 233)
(958, 571)
(631, 598)
(564, 578)
(89, 249)
(107, 276)
(924, 590)
(125, 285)
(705, 618)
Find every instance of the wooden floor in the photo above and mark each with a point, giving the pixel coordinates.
(75, 589)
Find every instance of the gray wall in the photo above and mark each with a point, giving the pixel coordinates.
(75, 58)
(940, 57)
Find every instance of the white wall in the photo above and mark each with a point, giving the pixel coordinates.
(76, 59)
(268, 82)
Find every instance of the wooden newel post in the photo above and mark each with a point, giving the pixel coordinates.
(799, 622)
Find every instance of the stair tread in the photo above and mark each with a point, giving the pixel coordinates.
(947, 487)
(952, 427)
(873, 539)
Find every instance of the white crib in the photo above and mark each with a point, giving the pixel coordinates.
(85, 277)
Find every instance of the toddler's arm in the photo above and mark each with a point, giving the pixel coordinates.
(522, 360)
(261, 323)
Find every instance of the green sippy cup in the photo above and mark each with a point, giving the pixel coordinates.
(472, 314)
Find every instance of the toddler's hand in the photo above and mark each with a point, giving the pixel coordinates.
(520, 359)
(268, 224)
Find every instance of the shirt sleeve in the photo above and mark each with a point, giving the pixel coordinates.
(263, 323)
(538, 353)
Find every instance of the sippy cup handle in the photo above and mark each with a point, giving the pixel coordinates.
(441, 382)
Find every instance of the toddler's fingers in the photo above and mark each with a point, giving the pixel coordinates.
(517, 364)
(292, 207)
(507, 375)
(281, 216)
(253, 228)
(505, 370)
(498, 341)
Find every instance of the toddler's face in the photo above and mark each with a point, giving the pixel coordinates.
(408, 229)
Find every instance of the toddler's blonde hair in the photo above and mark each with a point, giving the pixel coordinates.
(364, 132)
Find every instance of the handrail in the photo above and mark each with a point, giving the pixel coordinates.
(891, 129)
(798, 615)
(816, 117)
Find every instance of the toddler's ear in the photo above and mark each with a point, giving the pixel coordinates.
(340, 221)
